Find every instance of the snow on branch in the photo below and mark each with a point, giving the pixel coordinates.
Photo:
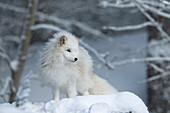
(108, 4)
(14, 65)
(131, 27)
(46, 26)
(43, 16)
(13, 8)
(165, 2)
(12, 38)
(162, 5)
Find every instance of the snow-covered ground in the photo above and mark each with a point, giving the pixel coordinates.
(122, 102)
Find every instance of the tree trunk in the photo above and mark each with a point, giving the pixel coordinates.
(25, 42)
(158, 90)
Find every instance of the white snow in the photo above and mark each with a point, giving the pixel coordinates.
(122, 102)
(7, 108)
(14, 65)
(24, 88)
(160, 49)
(99, 108)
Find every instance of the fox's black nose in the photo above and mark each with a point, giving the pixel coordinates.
(75, 59)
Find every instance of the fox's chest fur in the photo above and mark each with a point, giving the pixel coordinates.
(59, 75)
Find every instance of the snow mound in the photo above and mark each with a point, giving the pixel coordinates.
(122, 102)
(115, 103)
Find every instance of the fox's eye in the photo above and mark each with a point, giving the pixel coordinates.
(69, 50)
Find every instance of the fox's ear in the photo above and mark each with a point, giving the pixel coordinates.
(63, 40)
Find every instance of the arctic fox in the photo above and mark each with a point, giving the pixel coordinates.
(67, 66)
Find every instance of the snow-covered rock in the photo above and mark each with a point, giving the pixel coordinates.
(122, 102)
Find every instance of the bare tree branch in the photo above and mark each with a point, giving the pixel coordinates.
(156, 77)
(12, 38)
(156, 68)
(131, 27)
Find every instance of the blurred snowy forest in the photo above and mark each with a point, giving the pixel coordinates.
(127, 39)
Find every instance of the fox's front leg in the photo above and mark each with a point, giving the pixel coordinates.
(56, 94)
(71, 90)
(85, 93)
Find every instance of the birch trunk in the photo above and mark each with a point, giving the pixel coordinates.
(25, 42)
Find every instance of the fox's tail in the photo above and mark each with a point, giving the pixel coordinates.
(100, 86)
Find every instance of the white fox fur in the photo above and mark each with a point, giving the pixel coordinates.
(67, 66)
